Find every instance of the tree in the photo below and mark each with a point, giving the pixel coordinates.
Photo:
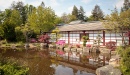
(42, 4)
(118, 22)
(29, 9)
(71, 17)
(11, 20)
(42, 19)
(126, 5)
(58, 20)
(97, 13)
(1, 32)
(75, 12)
(2, 16)
(21, 8)
(81, 14)
(65, 18)
(15, 18)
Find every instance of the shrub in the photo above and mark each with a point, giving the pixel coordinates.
(9, 68)
(125, 60)
(85, 38)
(4, 41)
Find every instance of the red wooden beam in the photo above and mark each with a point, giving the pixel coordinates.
(103, 38)
(129, 37)
(68, 37)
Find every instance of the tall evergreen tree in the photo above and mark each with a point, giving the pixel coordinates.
(126, 5)
(75, 12)
(42, 4)
(81, 14)
(97, 13)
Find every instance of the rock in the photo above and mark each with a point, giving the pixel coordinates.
(51, 46)
(79, 49)
(114, 61)
(73, 49)
(108, 70)
(66, 49)
(43, 44)
(85, 49)
(113, 52)
(105, 50)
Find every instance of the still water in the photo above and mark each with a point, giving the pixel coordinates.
(57, 62)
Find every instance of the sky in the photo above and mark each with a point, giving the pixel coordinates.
(66, 6)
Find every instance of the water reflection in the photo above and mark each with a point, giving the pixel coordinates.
(57, 62)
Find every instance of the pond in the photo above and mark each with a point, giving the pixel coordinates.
(57, 62)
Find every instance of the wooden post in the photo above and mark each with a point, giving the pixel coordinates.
(84, 33)
(68, 37)
(103, 38)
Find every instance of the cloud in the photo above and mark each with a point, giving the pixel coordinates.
(70, 8)
(119, 4)
(86, 1)
(54, 3)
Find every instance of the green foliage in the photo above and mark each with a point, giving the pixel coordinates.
(85, 38)
(125, 59)
(9, 32)
(8, 67)
(126, 5)
(1, 32)
(12, 19)
(15, 18)
(78, 14)
(40, 21)
(98, 39)
(81, 14)
(19, 6)
(19, 34)
(66, 18)
(55, 34)
(118, 22)
(75, 12)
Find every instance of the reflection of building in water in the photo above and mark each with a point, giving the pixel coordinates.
(93, 60)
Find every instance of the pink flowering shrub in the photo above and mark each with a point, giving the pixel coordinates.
(88, 45)
(78, 45)
(60, 42)
(60, 52)
(44, 38)
(33, 40)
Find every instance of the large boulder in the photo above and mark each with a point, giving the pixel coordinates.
(108, 70)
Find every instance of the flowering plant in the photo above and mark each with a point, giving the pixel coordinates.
(44, 38)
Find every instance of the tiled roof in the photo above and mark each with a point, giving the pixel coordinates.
(93, 25)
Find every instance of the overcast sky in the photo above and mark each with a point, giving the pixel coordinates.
(61, 6)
